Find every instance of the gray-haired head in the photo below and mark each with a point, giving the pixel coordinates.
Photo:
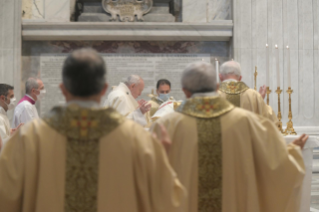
(84, 73)
(133, 79)
(31, 83)
(199, 77)
(230, 68)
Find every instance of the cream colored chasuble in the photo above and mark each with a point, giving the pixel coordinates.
(240, 95)
(86, 160)
(232, 160)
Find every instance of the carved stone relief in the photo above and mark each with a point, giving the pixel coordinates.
(127, 10)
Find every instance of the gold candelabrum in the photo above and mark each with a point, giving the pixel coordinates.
(268, 92)
(278, 91)
(255, 74)
(290, 127)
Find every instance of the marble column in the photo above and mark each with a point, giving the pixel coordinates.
(10, 44)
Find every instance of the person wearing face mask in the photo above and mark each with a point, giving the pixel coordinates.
(26, 110)
(7, 102)
(123, 99)
(163, 89)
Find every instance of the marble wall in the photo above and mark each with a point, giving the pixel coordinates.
(206, 11)
(46, 10)
(33, 49)
(10, 43)
(294, 23)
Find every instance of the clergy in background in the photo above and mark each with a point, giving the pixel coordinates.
(228, 158)
(239, 94)
(7, 102)
(26, 111)
(163, 89)
(123, 99)
(81, 157)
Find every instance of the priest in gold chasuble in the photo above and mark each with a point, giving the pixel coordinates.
(85, 158)
(230, 159)
(239, 94)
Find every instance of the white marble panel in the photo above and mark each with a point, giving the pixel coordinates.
(308, 84)
(246, 31)
(38, 10)
(195, 11)
(261, 23)
(220, 10)
(57, 11)
(247, 68)
(10, 43)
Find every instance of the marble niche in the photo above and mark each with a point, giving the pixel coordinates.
(125, 11)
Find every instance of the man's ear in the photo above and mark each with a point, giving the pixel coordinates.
(220, 77)
(64, 91)
(187, 93)
(3, 97)
(105, 87)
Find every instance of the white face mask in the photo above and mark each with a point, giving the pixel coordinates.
(42, 94)
(164, 96)
(11, 105)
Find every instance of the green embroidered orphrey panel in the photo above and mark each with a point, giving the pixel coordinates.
(233, 91)
(83, 129)
(207, 111)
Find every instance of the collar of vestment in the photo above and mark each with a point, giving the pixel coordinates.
(205, 107)
(85, 104)
(122, 86)
(233, 88)
(81, 123)
(28, 99)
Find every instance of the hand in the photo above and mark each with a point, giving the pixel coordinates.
(141, 102)
(301, 141)
(144, 107)
(263, 91)
(165, 139)
(16, 129)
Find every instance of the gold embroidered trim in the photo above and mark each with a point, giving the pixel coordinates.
(209, 165)
(234, 99)
(83, 129)
(233, 87)
(205, 107)
(155, 99)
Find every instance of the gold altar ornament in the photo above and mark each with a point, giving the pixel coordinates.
(268, 92)
(255, 74)
(278, 91)
(290, 127)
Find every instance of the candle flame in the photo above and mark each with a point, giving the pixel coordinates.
(276, 46)
(287, 47)
(266, 45)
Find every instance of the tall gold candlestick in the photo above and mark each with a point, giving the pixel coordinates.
(255, 74)
(268, 92)
(278, 91)
(290, 126)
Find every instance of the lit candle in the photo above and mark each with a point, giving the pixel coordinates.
(267, 65)
(217, 69)
(277, 66)
(289, 73)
